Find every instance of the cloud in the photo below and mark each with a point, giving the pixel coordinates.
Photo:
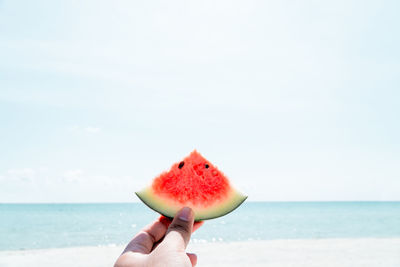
(40, 184)
(73, 176)
(22, 175)
(87, 129)
(43, 169)
(89, 179)
(93, 130)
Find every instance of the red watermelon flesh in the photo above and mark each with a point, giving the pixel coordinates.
(193, 182)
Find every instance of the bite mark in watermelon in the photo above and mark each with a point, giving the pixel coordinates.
(192, 182)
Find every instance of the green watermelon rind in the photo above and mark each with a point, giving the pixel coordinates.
(159, 205)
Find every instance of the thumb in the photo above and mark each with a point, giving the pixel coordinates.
(178, 233)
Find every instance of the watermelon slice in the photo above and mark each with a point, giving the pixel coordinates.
(192, 182)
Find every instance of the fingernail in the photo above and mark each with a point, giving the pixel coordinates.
(184, 214)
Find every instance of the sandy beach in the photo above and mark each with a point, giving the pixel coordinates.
(279, 253)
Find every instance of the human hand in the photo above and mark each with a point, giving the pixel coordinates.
(162, 243)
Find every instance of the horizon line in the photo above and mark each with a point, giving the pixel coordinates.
(252, 201)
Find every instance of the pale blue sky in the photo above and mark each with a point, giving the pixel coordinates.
(293, 100)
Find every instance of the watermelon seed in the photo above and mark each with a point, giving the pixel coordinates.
(181, 165)
(206, 166)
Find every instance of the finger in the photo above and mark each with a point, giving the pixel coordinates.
(193, 258)
(167, 221)
(143, 242)
(178, 233)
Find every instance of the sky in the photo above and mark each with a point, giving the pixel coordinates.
(292, 100)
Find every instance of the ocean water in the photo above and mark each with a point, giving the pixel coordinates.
(33, 226)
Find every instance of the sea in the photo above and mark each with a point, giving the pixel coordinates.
(38, 226)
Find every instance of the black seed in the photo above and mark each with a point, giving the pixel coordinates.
(181, 165)
(206, 166)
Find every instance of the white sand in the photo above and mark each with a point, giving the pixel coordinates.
(279, 253)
